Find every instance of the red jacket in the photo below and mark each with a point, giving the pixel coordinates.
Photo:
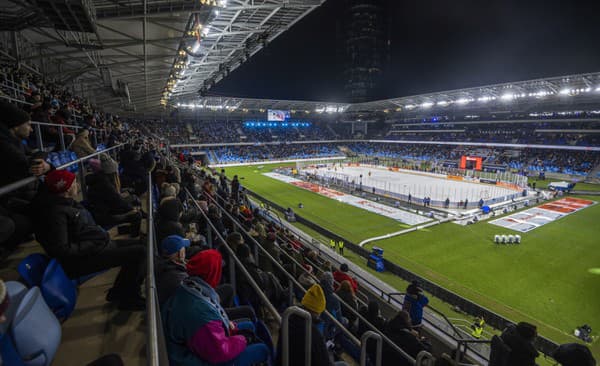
(340, 276)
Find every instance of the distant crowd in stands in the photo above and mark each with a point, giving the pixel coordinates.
(186, 131)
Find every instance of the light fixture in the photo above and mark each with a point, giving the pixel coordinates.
(426, 104)
(565, 91)
(507, 97)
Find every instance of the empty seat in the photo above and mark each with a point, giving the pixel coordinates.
(32, 268)
(58, 290)
(35, 330)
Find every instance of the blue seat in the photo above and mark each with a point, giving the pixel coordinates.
(16, 291)
(35, 330)
(32, 268)
(58, 290)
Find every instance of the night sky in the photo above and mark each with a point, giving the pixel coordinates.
(434, 46)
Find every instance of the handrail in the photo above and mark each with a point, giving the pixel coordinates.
(363, 349)
(293, 281)
(232, 255)
(77, 127)
(424, 356)
(151, 306)
(285, 346)
(25, 181)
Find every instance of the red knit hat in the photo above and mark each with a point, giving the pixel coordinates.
(208, 265)
(59, 181)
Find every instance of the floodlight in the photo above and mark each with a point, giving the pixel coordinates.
(565, 92)
(598, 89)
(443, 103)
(426, 104)
(507, 96)
(410, 106)
(196, 47)
(588, 89)
(485, 99)
(464, 100)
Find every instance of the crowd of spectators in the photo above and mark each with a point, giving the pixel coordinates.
(251, 153)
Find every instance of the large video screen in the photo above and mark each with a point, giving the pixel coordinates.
(276, 115)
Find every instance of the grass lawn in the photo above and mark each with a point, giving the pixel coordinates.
(545, 280)
(588, 187)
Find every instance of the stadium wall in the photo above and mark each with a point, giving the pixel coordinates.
(495, 320)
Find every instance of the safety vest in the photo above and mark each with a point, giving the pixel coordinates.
(341, 244)
(332, 243)
(477, 328)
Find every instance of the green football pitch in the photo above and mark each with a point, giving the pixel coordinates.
(547, 280)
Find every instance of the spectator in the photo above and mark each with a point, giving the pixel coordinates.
(342, 275)
(170, 212)
(104, 197)
(67, 231)
(399, 330)
(313, 302)
(371, 314)
(519, 338)
(414, 302)
(235, 189)
(170, 268)
(333, 306)
(14, 128)
(82, 146)
(346, 293)
(197, 328)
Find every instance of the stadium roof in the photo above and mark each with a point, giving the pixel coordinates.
(573, 89)
(131, 53)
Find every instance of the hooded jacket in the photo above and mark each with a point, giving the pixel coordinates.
(197, 328)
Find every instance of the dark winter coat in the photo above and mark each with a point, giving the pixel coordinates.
(103, 197)
(15, 163)
(523, 353)
(65, 228)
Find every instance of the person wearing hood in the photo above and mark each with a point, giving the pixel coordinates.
(197, 329)
(347, 295)
(519, 338)
(104, 196)
(314, 302)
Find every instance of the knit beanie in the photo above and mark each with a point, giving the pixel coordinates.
(12, 116)
(59, 181)
(207, 265)
(314, 299)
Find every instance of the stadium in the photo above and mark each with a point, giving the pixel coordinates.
(151, 216)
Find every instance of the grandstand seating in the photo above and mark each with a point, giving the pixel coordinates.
(282, 261)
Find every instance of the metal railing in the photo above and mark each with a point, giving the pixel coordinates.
(264, 299)
(155, 349)
(285, 335)
(293, 282)
(25, 181)
(61, 134)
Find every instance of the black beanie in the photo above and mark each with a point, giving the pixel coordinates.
(12, 116)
